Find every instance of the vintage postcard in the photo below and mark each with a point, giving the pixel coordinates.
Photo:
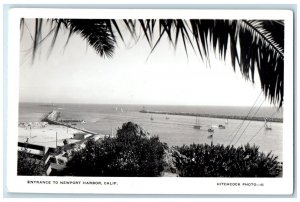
(150, 101)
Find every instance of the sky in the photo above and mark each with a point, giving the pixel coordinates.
(76, 74)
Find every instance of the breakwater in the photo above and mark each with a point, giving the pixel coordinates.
(52, 118)
(280, 120)
(71, 120)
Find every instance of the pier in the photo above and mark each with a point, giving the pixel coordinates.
(280, 120)
(50, 156)
(53, 118)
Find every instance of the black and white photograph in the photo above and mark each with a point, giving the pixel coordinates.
(168, 98)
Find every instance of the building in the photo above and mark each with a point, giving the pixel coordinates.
(80, 136)
(41, 153)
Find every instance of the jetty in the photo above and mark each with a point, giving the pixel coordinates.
(53, 118)
(279, 120)
(50, 156)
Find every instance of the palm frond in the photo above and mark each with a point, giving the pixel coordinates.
(22, 23)
(57, 28)
(96, 32)
(146, 30)
(259, 49)
(254, 45)
(263, 35)
(37, 36)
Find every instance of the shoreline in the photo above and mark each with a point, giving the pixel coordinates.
(53, 118)
(51, 135)
(278, 120)
(46, 136)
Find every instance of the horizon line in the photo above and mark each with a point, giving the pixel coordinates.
(140, 104)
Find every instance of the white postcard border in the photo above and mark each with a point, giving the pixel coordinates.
(156, 185)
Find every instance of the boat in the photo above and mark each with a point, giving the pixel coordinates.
(197, 125)
(210, 130)
(226, 122)
(151, 118)
(121, 109)
(221, 126)
(267, 126)
(167, 117)
(144, 110)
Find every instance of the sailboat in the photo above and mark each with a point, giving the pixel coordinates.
(151, 118)
(226, 122)
(211, 130)
(121, 109)
(197, 125)
(167, 117)
(267, 127)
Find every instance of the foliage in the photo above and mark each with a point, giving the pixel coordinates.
(131, 153)
(198, 160)
(28, 165)
(254, 45)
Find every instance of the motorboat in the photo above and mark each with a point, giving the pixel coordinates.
(210, 130)
(221, 126)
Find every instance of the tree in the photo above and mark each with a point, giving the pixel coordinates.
(131, 153)
(28, 165)
(254, 45)
(203, 160)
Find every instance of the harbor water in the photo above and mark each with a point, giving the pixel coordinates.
(175, 130)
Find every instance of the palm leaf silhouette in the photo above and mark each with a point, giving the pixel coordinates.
(253, 45)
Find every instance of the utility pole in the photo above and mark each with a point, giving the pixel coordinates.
(30, 133)
(211, 136)
(56, 139)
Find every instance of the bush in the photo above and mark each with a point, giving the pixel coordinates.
(131, 153)
(28, 165)
(198, 160)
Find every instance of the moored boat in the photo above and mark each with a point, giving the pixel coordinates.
(197, 125)
(221, 126)
(267, 125)
(210, 130)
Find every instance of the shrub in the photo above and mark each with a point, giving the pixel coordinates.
(131, 153)
(198, 160)
(28, 165)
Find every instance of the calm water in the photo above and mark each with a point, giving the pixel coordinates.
(177, 130)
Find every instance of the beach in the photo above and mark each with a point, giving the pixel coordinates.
(46, 136)
(175, 130)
